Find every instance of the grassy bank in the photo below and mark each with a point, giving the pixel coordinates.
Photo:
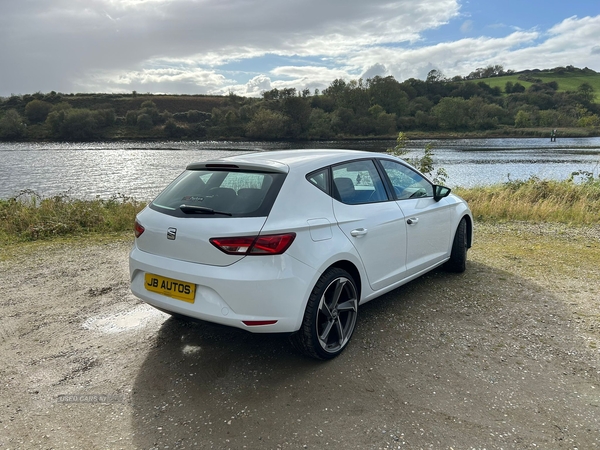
(537, 200)
(30, 217)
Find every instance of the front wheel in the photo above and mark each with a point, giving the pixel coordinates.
(458, 257)
(330, 316)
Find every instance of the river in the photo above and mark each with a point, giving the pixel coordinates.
(142, 169)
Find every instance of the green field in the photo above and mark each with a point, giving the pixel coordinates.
(568, 81)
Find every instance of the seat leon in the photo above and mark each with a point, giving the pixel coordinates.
(294, 241)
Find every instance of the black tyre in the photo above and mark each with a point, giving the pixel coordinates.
(330, 316)
(458, 257)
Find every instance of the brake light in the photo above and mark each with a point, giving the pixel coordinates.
(274, 244)
(138, 229)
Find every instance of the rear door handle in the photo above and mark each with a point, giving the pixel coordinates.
(412, 220)
(358, 232)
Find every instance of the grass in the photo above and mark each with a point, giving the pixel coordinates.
(537, 200)
(30, 217)
(566, 81)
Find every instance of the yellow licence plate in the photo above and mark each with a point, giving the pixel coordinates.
(170, 287)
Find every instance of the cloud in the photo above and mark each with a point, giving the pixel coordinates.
(374, 71)
(164, 80)
(454, 58)
(257, 85)
(217, 46)
(466, 26)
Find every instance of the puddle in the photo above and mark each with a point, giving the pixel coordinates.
(128, 320)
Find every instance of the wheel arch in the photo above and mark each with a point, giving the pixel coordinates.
(469, 221)
(349, 267)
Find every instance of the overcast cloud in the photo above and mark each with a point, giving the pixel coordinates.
(249, 46)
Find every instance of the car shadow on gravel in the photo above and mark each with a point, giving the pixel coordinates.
(485, 358)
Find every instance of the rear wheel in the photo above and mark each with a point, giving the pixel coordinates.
(458, 257)
(330, 316)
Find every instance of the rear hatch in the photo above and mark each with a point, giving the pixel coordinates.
(206, 202)
(188, 239)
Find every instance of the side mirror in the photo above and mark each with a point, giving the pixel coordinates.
(439, 192)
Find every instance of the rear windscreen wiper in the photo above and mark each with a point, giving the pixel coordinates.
(189, 209)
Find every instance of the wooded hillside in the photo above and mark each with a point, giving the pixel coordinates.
(489, 100)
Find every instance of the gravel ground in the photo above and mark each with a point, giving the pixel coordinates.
(505, 355)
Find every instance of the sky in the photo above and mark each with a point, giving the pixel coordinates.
(248, 47)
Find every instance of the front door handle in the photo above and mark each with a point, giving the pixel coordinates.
(358, 232)
(412, 220)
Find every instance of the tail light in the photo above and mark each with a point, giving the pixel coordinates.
(138, 229)
(274, 244)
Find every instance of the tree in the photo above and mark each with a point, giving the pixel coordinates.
(298, 110)
(518, 88)
(12, 126)
(435, 76)
(320, 125)
(341, 120)
(336, 89)
(423, 163)
(452, 113)
(73, 124)
(105, 117)
(356, 97)
(522, 119)
(37, 111)
(144, 122)
(195, 116)
(387, 93)
(591, 120)
(172, 130)
(267, 124)
(149, 108)
(586, 92)
(131, 117)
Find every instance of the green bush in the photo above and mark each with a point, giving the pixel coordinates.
(144, 122)
(12, 126)
(172, 130)
(37, 111)
(79, 124)
(131, 118)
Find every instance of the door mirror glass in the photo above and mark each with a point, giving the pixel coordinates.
(440, 192)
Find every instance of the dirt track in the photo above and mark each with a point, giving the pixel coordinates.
(505, 355)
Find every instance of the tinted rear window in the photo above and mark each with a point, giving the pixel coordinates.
(224, 192)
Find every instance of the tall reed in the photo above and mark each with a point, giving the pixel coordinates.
(574, 201)
(29, 216)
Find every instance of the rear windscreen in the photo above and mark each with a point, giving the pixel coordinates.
(212, 193)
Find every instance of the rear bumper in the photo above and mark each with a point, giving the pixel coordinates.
(256, 288)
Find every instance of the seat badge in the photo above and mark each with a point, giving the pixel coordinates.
(171, 234)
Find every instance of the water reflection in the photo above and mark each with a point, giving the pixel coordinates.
(142, 169)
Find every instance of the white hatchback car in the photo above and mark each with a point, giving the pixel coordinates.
(294, 241)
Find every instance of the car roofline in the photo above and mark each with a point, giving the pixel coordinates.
(280, 161)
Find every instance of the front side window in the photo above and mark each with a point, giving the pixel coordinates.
(406, 182)
(358, 182)
(219, 193)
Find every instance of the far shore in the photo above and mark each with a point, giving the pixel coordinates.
(500, 133)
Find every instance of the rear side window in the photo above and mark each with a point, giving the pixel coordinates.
(320, 179)
(219, 193)
(357, 182)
